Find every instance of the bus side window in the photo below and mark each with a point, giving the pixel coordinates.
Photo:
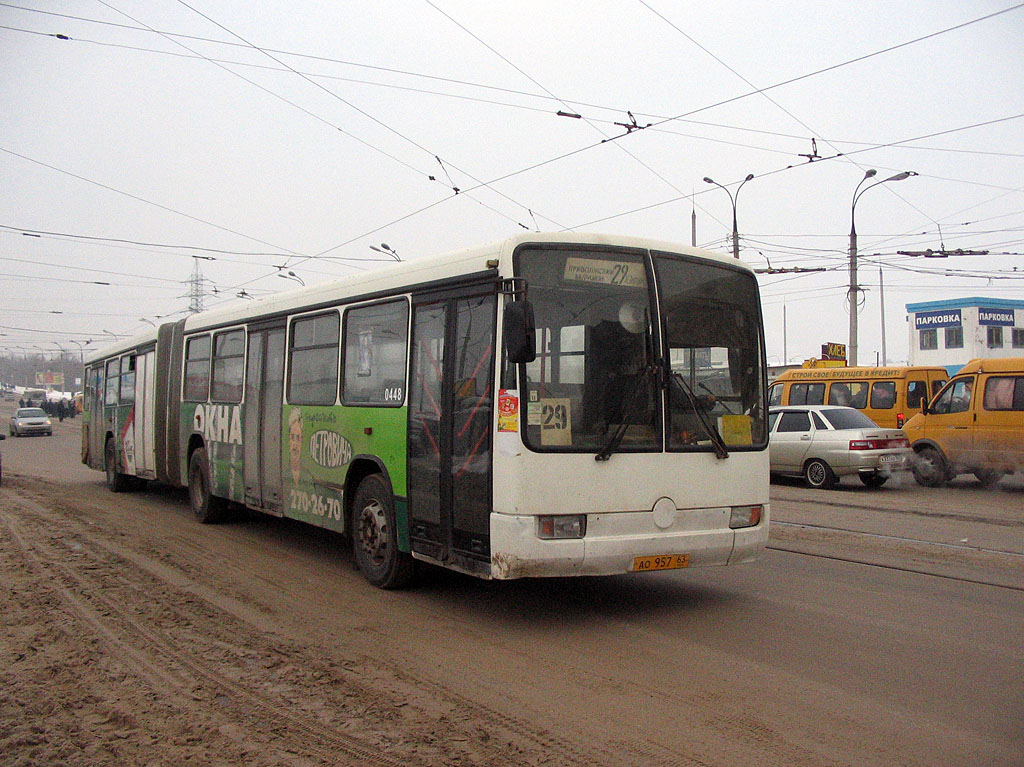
(917, 393)
(197, 369)
(859, 394)
(113, 376)
(1000, 393)
(807, 394)
(228, 365)
(127, 379)
(775, 394)
(883, 395)
(313, 360)
(375, 342)
(839, 394)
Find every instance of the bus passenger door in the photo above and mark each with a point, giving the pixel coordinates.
(97, 417)
(450, 412)
(261, 431)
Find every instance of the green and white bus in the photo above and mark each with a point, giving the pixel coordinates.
(550, 405)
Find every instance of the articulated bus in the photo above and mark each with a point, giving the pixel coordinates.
(551, 405)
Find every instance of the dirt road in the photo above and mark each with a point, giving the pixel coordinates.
(133, 635)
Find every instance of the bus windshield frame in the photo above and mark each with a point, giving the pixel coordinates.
(609, 379)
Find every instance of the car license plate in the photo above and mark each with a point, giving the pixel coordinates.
(891, 459)
(662, 562)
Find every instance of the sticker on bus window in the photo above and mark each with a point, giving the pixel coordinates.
(735, 429)
(626, 273)
(556, 422)
(508, 410)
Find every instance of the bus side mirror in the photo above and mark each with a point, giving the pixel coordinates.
(520, 332)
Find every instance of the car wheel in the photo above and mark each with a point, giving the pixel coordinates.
(819, 474)
(375, 536)
(988, 477)
(930, 468)
(207, 507)
(116, 481)
(873, 479)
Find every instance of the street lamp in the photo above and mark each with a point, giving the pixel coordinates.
(292, 276)
(851, 294)
(732, 199)
(386, 250)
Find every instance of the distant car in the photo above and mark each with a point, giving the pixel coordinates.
(824, 442)
(30, 420)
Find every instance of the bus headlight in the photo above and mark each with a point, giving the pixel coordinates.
(562, 526)
(744, 516)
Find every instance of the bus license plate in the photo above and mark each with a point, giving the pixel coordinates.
(663, 562)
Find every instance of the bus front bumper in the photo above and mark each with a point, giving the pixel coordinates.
(614, 541)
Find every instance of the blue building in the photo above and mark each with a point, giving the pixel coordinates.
(953, 332)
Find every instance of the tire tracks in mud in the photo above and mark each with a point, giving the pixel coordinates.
(166, 667)
(157, 616)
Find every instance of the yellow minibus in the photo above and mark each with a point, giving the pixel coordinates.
(889, 396)
(975, 424)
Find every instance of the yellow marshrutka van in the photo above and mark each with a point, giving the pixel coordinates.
(975, 424)
(889, 396)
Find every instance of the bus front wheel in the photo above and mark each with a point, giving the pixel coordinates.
(207, 507)
(375, 536)
(930, 469)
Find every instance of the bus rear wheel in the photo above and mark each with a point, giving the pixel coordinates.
(116, 481)
(207, 507)
(375, 536)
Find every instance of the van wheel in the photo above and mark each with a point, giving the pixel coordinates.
(819, 474)
(116, 481)
(988, 477)
(207, 507)
(375, 536)
(873, 479)
(930, 467)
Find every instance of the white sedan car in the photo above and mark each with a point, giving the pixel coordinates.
(824, 442)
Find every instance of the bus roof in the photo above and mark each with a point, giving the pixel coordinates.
(839, 374)
(994, 365)
(389, 277)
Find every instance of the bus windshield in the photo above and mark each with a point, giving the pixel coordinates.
(607, 377)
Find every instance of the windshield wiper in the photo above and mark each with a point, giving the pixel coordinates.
(717, 443)
(628, 409)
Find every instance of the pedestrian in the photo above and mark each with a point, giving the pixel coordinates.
(21, 402)
(61, 410)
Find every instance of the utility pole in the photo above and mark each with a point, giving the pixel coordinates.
(881, 303)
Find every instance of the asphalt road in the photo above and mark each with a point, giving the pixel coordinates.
(881, 627)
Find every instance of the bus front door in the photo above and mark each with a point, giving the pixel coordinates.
(261, 432)
(450, 412)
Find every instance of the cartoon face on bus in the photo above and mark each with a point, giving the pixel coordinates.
(295, 443)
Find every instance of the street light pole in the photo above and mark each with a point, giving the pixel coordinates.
(854, 289)
(732, 199)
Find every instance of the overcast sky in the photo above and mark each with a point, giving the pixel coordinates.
(300, 133)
